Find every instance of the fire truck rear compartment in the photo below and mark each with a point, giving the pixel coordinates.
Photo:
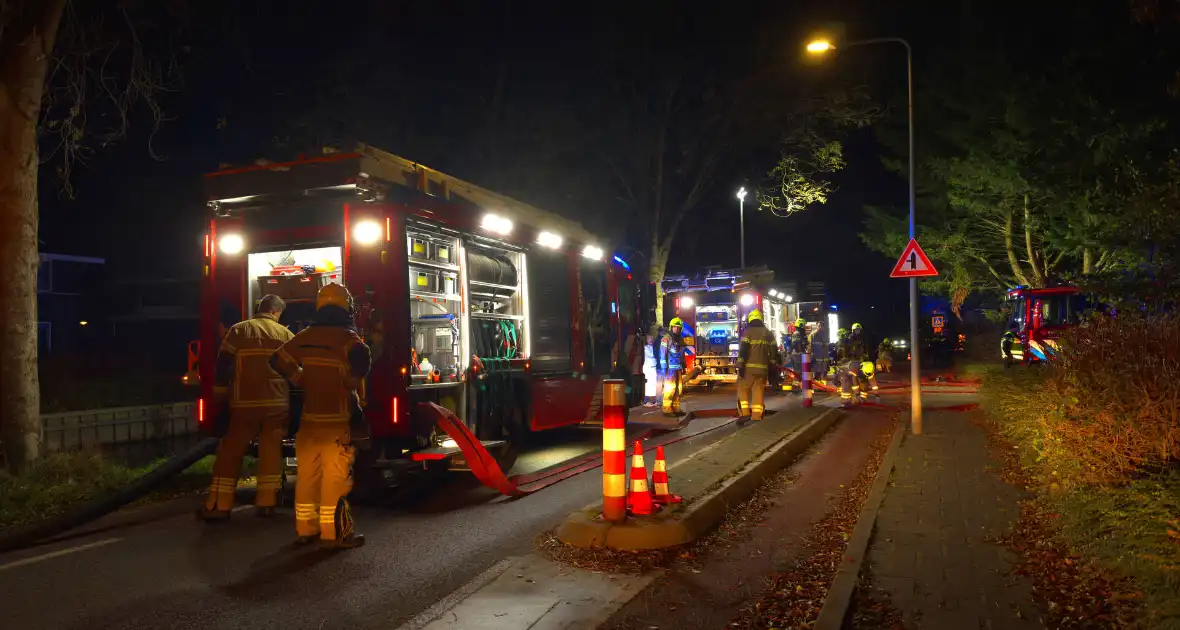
(296, 276)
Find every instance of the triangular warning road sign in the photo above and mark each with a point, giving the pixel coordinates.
(913, 263)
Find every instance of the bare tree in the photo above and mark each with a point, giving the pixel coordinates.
(56, 66)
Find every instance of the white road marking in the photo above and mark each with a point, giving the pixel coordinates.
(58, 553)
(422, 619)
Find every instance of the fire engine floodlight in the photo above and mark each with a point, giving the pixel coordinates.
(789, 298)
(686, 302)
(231, 244)
(747, 299)
(774, 293)
(592, 252)
(550, 240)
(497, 224)
(366, 232)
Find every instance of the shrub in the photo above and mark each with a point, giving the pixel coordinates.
(1119, 382)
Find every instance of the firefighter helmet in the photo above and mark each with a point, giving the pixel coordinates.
(334, 295)
(755, 316)
(856, 327)
(800, 323)
(842, 333)
(676, 321)
(886, 342)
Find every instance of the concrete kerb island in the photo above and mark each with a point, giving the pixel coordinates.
(711, 482)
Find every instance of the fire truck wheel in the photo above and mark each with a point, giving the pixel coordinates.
(709, 385)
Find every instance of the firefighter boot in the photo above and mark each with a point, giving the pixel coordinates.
(345, 537)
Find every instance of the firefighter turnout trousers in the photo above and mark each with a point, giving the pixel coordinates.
(269, 425)
(673, 388)
(849, 376)
(325, 456)
(751, 391)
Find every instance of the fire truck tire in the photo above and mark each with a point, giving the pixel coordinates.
(29, 535)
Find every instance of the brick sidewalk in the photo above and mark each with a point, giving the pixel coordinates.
(930, 549)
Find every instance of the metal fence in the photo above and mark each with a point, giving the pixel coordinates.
(135, 434)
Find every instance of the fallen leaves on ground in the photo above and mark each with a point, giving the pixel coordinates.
(1071, 592)
(730, 530)
(796, 596)
(872, 608)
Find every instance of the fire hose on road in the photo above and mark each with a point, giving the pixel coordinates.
(29, 535)
(485, 468)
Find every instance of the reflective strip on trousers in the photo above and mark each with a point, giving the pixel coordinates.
(328, 514)
(306, 511)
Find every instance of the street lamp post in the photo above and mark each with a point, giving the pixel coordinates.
(741, 195)
(822, 46)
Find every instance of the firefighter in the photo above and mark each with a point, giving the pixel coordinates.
(859, 354)
(257, 400)
(327, 362)
(885, 355)
(757, 356)
(796, 345)
(818, 344)
(846, 368)
(671, 365)
(1006, 341)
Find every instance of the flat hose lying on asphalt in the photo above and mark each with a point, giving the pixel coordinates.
(31, 534)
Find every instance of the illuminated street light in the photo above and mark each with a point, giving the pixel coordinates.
(818, 46)
(741, 195)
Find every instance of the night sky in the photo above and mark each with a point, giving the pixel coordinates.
(280, 78)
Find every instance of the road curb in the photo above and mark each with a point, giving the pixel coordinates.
(585, 528)
(831, 616)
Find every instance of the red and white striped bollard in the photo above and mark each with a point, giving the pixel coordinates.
(805, 377)
(614, 450)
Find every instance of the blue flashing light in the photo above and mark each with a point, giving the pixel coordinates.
(623, 263)
(614, 308)
(834, 307)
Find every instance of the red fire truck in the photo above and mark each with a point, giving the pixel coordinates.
(507, 315)
(1040, 315)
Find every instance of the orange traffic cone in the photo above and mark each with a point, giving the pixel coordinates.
(659, 480)
(639, 499)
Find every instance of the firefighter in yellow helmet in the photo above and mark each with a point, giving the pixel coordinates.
(327, 362)
(757, 356)
(257, 400)
(796, 347)
(671, 365)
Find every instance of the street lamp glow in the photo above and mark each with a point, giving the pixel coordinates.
(741, 194)
(819, 46)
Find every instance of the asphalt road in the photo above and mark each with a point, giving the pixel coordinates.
(178, 573)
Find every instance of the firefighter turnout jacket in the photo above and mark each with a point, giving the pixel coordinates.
(671, 353)
(243, 363)
(327, 363)
(758, 350)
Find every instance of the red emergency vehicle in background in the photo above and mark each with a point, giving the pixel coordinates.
(714, 307)
(1040, 315)
(508, 315)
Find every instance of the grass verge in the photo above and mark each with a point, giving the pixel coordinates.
(63, 481)
(1130, 528)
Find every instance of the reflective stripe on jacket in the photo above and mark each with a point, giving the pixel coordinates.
(244, 362)
(327, 363)
(757, 351)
